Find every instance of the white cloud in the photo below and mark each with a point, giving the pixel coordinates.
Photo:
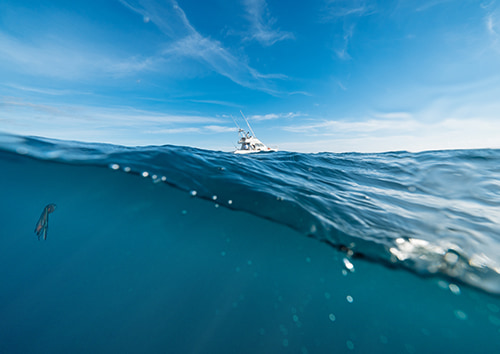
(361, 127)
(216, 102)
(347, 12)
(490, 25)
(337, 9)
(426, 5)
(341, 85)
(61, 55)
(47, 91)
(269, 116)
(186, 41)
(219, 129)
(216, 57)
(117, 125)
(262, 24)
(394, 115)
(174, 130)
(447, 134)
(453, 122)
(341, 51)
(66, 58)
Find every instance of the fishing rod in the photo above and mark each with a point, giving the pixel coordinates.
(249, 127)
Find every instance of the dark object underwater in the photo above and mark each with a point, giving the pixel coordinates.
(42, 225)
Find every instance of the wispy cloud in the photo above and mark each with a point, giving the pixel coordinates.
(426, 5)
(379, 123)
(401, 116)
(186, 41)
(216, 102)
(492, 24)
(60, 55)
(416, 136)
(47, 91)
(341, 51)
(122, 125)
(207, 129)
(347, 13)
(168, 16)
(261, 24)
(341, 85)
(270, 116)
(337, 9)
(461, 119)
(66, 58)
(211, 53)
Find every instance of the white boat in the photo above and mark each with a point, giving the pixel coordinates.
(249, 143)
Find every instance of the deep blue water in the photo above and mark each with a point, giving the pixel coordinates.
(180, 250)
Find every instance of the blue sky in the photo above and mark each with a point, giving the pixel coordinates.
(321, 75)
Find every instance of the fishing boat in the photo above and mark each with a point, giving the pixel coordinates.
(248, 141)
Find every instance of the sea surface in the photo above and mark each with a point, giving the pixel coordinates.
(170, 249)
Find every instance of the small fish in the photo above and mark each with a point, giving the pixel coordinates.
(43, 223)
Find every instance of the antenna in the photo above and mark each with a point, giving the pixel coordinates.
(249, 127)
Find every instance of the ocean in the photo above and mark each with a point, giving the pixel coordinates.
(170, 249)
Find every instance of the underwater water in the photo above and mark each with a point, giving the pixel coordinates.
(179, 250)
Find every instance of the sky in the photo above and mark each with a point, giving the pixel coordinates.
(321, 75)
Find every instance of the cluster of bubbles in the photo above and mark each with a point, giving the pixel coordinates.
(157, 179)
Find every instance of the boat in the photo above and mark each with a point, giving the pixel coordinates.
(249, 143)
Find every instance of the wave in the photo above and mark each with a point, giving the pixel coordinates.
(434, 213)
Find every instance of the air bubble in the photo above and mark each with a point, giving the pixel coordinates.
(454, 289)
(495, 321)
(451, 258)
(114, 166)
(349, 299)
(460, 315)
(350, 345)
(145, 174)
(193, 193)
(348, 265)
(442, 284)
(493, 308)
(22, 151)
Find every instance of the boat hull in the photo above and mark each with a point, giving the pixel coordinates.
(244, 152)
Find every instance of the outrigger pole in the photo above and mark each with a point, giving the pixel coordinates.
(249, 127)
(237, 126)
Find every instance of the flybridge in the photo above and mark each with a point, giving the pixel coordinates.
(248, 141)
